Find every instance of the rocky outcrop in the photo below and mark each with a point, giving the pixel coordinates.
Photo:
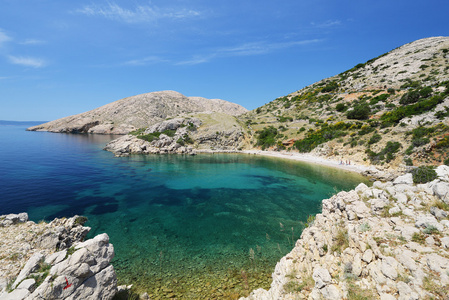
(141, 111)
(388, 241)
(183, 135)
(51, 261)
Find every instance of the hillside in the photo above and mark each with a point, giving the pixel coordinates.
(128, 114)
(391, 111)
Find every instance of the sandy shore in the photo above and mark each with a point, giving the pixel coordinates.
(311, 159)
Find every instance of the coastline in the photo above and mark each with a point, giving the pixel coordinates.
(308, 158)
(302, 157)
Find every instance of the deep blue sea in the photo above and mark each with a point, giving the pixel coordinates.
(192, 227)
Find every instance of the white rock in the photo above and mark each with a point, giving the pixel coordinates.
(436, 262)
(31, 266)
(401, 198)
(389, 266)
(441, 190)
(408, 231)
(443, 172)
(331, 292)
(394, 210)
(445, 242)
(17, 294)
(404, 179)
(321, 277)
(406, 258)
(384, 296)
(361, 188)
(27, 284)
(368, 256)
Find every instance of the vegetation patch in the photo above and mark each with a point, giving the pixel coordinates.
(387, 154)
(267, 137)
(424, 174)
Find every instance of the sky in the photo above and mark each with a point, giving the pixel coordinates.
(61, 57)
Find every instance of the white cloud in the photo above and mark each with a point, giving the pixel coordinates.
(141, 13)
(145, 61)
(32, 42)
(248, 49)
(3, 37)
(327, 24)
(27, 61)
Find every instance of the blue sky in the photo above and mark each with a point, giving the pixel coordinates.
(59, 57)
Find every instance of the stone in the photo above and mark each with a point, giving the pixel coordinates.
(17, 294)
(436, 262)
(31, 266)
(360, 209)
(389, 267)
(438, 213)
(321, 277)
(361, 188)
(385, 296)
(442, 172)
(441, 190)
(408, 231)
(401, 198)
(445, 242)
(404, 179)
(394, 210)
(368, 256)
(331, 292)
(27, 284)
(406, 258)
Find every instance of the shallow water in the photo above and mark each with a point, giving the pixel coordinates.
(205, 226)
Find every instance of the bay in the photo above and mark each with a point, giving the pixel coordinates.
(205, 226)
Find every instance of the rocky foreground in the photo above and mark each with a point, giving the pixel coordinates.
(388, 241)
(51, 261)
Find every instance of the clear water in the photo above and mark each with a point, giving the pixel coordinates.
(192, 227)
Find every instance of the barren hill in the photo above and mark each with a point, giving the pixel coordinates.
(128, 114)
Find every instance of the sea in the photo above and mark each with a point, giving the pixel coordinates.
(187, 227)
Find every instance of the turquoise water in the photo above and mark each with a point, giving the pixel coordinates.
(205, 226)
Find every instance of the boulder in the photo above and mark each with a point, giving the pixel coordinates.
(321, 277)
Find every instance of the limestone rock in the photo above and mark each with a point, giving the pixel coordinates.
(321, 277)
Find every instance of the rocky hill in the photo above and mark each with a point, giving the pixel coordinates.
(388, 241)
(390, 111)
(128, 114)
(183, 135)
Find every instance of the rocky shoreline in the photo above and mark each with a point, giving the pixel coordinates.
(388, 241)
(52, 260)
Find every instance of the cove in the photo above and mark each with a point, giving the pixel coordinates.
(191, 227)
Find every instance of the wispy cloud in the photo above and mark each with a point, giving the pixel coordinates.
(248, 49)
(27, 61)
(145, 61)
(327, 24)
(140, 14)
(3, 37)
(32, 42)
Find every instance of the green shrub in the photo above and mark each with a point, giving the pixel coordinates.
(266, 137)
(424, 174)
(386, 154)
(408, 161)
(446, 161)
(393, 117)
(374, 139)
(340, 107)
(409, 98)
(443, 143)
(361, 111)
(331, 86)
